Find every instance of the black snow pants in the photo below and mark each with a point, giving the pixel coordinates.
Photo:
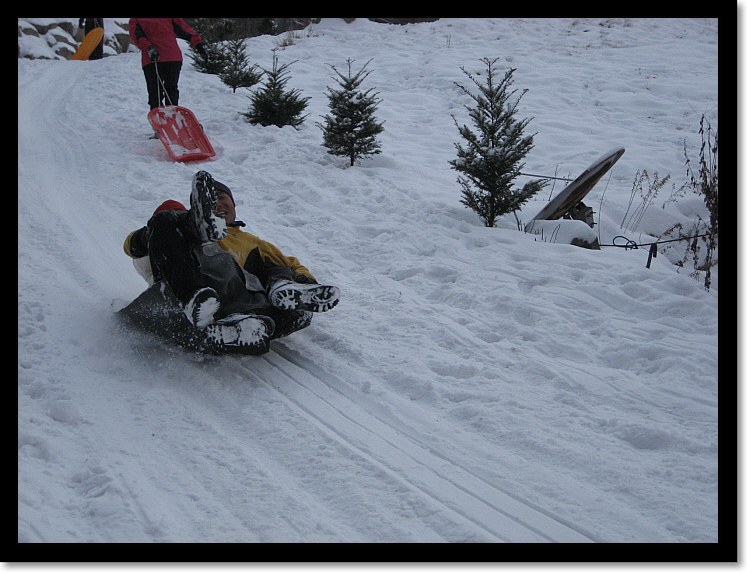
(178, 257)
(169, 74)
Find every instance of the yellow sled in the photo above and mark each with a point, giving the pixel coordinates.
(88, 45)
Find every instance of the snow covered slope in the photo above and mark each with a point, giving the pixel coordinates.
(474, 384)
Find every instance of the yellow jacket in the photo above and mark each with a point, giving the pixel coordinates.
(245, 246)
(252, 253)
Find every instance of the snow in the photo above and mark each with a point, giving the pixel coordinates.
(473, 385)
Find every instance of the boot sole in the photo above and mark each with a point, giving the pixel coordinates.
(203, 201)
(319, 298)
(247, 332)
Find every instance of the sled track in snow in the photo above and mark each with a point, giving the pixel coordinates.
(390, 445)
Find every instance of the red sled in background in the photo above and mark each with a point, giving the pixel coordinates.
(181, 133)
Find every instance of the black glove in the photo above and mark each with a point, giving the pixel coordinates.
(139, 243)
(200, 49)
(153, 53)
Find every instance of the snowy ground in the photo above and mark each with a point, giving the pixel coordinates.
(474, 385)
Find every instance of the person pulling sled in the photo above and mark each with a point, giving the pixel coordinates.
(215, 288)
(161, 57)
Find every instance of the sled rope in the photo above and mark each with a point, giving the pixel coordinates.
(161, 83)
(634, 245)
(546, 177)
(631, 245)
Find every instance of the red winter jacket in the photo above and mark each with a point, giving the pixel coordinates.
(162, 33)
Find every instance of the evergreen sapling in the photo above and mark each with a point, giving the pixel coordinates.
(492, 156)
(237, 73)
(213, 32)
(273, 105)
(351, 130)
(212, 62)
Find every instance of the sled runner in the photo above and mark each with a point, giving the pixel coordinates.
(158, 311)
(569, 198)
(88, 45)
(181, 133)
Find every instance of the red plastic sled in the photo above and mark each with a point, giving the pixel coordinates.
(181, 133)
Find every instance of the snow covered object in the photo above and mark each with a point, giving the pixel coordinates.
(181, 133)
(578, 189)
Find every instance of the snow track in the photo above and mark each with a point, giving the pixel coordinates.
(473, 384)
(387, 443)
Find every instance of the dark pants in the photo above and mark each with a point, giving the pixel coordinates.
(169, 74)
(178, 257)
(91, 24)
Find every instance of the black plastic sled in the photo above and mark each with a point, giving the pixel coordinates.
(157, 310)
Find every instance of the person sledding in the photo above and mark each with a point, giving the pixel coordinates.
(237, 291)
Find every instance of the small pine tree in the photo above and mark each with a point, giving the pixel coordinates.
(237, 73)
(273, 105)
(267, 27)
(214, 60)
(492, 157)
(351, 130)
(214, 30)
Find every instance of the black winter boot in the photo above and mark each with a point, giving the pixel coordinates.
(290, 295)
(202, 307)
(203, 201)
(251, 331)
